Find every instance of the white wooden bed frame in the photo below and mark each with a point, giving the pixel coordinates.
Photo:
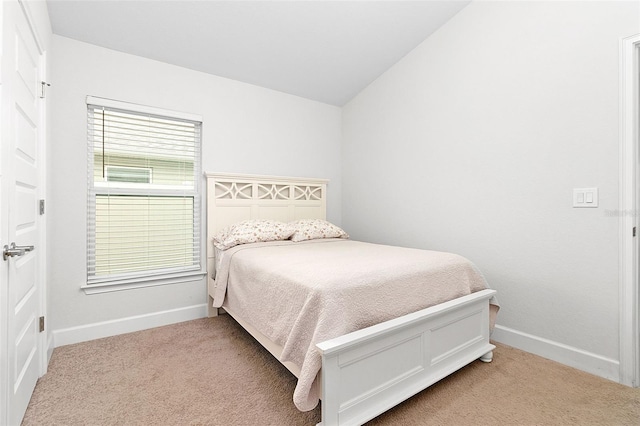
(366, 372)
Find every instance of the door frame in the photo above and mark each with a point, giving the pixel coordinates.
(629, 211)
(45, 338)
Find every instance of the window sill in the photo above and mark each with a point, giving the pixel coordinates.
(142, 282)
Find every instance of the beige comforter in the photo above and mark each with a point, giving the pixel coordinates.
(300, 294)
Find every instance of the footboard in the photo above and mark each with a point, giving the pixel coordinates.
(366, 372)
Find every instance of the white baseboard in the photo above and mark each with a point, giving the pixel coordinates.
(98, 330)
(577, 358)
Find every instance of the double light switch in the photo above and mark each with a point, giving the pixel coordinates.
(585, 197)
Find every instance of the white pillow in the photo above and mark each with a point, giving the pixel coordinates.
(312, 229)
(252, 231)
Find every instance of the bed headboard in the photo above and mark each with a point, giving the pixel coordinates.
(233, 198)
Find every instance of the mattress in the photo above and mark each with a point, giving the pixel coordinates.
(298, 294)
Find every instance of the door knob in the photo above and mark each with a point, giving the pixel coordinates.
(13, 250)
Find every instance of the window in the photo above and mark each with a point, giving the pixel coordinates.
(144, 194)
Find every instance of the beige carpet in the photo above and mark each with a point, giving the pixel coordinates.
(210, 372)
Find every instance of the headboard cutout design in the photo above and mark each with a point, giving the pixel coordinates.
(235, 190)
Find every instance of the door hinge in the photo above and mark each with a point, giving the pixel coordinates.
(41, 324)
(634, 231)
(44, 85)
(41, 207)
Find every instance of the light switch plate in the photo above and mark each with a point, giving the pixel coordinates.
(585, 197)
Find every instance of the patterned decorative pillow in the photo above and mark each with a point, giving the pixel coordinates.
(312, 229)
(252, 231)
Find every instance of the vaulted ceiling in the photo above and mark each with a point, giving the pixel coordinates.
(322, 50)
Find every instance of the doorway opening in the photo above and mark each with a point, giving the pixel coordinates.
(629, 211)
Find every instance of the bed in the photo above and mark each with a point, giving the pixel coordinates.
(388, 348)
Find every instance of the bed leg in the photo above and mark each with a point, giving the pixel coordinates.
(211, 311)
(488, 357)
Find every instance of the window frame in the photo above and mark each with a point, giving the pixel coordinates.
(117, 282)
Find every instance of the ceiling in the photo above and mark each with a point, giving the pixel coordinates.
(326, 51)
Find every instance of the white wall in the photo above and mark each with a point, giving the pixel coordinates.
(246, 129)
(472, 144)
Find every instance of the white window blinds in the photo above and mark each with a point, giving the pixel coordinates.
(144, 194)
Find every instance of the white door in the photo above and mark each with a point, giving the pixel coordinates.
(20, 304)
